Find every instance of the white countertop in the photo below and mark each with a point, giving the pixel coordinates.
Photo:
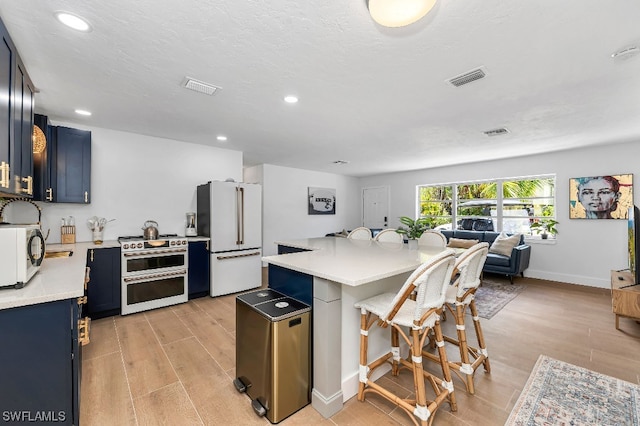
(350, 262)
(59, 278)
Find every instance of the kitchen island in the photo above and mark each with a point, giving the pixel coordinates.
(338, 272)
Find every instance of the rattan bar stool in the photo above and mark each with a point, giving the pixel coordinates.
(432, 238)
(461, 294)
(389, 235)
(410, 320)
(361, 233)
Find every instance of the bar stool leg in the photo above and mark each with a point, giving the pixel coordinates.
(364, 368)
(444, 363)
(480, 336)
(422, 411)
(395, 351)
(465, 362)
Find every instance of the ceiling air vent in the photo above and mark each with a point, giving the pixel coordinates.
(199, 86)
(468, 77)
(497, 132)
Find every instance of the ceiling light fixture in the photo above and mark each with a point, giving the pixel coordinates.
(399, 13)
(222, 138)
(340, 162)
(73, 21)
(290, 99)
(83, 112)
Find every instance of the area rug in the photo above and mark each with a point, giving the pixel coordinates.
(492, 296)
(558, 393)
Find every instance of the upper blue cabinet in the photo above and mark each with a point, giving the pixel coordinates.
(16, 121)
(63, 169)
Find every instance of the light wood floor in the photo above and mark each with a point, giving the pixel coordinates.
(175, 365)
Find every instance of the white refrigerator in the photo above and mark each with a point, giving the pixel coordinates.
(230, 213)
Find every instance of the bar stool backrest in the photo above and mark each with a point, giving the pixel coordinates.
(432, 238)
(389, 235)
(430, 280)
(470, 265)
(360, 233)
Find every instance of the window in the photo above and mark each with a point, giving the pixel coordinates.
(509, 205)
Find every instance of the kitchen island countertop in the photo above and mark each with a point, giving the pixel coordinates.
(349, 261)
(59, 278)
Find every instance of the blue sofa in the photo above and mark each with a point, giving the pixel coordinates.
(497, 263)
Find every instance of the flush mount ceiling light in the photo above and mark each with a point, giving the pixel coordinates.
(73, 21)
(83, 112)
(291, 99)
(399, 13)
(222, 138)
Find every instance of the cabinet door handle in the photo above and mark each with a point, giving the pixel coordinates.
(4, 175)
(50, 194)
(29, 189)
(84, 326)
(86, 196)
(91, 254)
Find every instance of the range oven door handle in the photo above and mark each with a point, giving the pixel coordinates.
(152, 252)
(150, 277)
(235, 256)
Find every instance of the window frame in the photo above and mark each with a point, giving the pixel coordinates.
(500, 202)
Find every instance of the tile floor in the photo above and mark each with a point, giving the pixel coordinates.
(175, 365)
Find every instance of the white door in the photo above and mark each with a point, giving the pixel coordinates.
(375, 207)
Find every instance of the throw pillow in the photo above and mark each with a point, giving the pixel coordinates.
(461, 243)
(504, 244)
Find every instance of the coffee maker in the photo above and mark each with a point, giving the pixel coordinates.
(190, 229)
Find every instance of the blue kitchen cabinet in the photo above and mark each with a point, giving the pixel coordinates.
(62, 172)
(71, 171)
(104, 288)
(16, 121)
(40, 363)
(199, 269)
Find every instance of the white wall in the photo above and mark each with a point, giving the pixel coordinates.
(585, 250)
(135, 178)
(284, 198)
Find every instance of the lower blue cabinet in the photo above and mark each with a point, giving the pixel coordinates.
(40, 364)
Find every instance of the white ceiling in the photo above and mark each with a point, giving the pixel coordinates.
(374, 96)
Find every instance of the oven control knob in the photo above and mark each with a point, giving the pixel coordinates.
(139, 245)
(126, 246)
(173, 243)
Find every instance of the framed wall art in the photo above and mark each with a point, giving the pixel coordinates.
(322, 200)
(600, 197)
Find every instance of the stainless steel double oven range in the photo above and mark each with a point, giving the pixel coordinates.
(154, 272)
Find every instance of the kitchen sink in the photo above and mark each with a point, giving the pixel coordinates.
(61, 253)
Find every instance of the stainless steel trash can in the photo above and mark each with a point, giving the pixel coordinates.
(273, 352)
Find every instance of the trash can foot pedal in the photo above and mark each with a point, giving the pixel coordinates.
(258, 408)
(240, 387)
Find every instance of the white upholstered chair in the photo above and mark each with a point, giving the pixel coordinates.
(389, 235)
(411, 320)
(461, 294)
(432, 238)
(360, 233)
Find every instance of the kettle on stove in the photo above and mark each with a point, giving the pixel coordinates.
(150, 229)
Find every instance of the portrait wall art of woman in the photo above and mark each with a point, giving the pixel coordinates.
(601, 197)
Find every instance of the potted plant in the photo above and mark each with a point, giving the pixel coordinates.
(413, 229)
(544, 227)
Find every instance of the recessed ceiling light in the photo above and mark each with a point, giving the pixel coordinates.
(290, 99)
(83, 112)
(222, 138)
(73, 21)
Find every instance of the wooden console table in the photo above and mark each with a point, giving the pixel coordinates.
(625, 296)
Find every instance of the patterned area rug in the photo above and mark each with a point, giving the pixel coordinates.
(493, 295)
(558, 393)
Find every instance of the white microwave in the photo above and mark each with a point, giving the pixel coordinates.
(21, 253)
